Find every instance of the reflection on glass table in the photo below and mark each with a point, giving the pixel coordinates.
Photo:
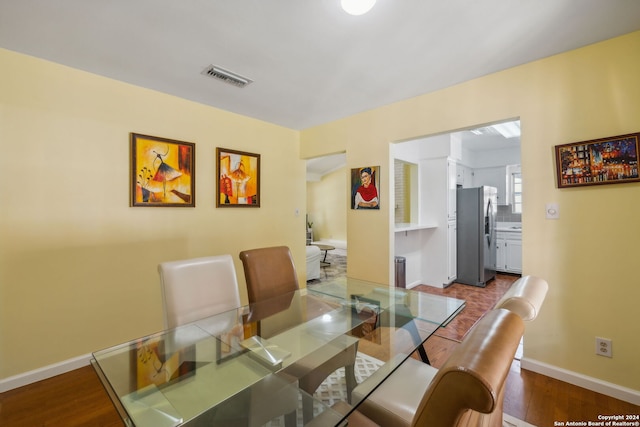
(246, 371)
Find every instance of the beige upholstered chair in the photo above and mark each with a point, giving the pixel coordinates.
(314, 255)
(193, 289)
(468, 390)
(525, 297)
(271, 276)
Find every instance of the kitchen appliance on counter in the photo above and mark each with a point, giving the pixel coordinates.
(476, 235)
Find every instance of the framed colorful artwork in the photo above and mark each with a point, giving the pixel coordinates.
(612, 160)
(365, 182)
(228, 343)
(162, 172)
(238, 178)
(155, 366)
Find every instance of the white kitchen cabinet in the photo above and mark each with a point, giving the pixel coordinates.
(438, 208)
(513, 255)
(464, 176)
(501, 262)
(452, 264)
(509, 251)
(494, 177)
(451, 190)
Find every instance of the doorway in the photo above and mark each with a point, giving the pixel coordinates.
(326, 195)
(487, 155)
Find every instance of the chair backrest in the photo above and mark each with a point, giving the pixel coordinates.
(271, 282)
(269, 272)
(472, 379)
(525, 297)
(193, 289)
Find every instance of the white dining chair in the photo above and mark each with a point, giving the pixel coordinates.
(197, 288)
(193, 289)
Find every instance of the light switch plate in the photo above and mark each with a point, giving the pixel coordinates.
(552, 211)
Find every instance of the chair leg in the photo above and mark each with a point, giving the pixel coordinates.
(290, 419)
(307, 408)
(350, 377)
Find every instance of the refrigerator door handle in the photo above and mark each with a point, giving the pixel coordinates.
(487, 223)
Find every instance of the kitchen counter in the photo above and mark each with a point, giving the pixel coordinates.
(509, 227)
(399, 227)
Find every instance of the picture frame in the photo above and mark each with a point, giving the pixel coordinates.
(365, 185)
(238, 179)
(162, 172)
(228, 344)
(154, 365)
(611, 160)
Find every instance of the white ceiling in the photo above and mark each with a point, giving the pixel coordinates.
(311, 63)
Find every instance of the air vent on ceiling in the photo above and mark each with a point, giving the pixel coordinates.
(226, 76)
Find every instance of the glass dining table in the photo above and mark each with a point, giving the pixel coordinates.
(244, 366)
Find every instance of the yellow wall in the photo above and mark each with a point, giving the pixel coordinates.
(324, 199)
(77, 264)
(589, 255)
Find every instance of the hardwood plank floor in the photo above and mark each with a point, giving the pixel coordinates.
(531, 397)
(77, 398)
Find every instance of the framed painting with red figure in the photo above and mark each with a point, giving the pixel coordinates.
(162, 172)
(238, 178)
(365, 182)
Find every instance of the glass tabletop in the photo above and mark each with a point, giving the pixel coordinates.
(431, 308)
(245, 365)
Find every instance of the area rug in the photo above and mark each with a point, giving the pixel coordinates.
(334, 388)
(335, 267)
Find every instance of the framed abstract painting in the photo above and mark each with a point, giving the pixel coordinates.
(162, 172)
(238, 175)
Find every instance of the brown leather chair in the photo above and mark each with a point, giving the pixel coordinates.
(271, 276)
(468, 390)
(525, 297)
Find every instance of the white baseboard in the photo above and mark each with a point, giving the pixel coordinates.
(43, 373)
(584, 381)
(413, 284)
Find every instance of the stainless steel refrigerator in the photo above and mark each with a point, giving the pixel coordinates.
(476, 235)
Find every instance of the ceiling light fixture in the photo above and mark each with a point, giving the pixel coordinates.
(357, 7)
(507, 129)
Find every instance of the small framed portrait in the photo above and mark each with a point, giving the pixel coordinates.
(365, 182)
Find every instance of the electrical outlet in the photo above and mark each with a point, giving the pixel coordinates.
(604, 347)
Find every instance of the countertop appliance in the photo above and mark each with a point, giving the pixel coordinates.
(476, 235)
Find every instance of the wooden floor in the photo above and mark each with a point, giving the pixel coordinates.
(78, 399)
(534, 398)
